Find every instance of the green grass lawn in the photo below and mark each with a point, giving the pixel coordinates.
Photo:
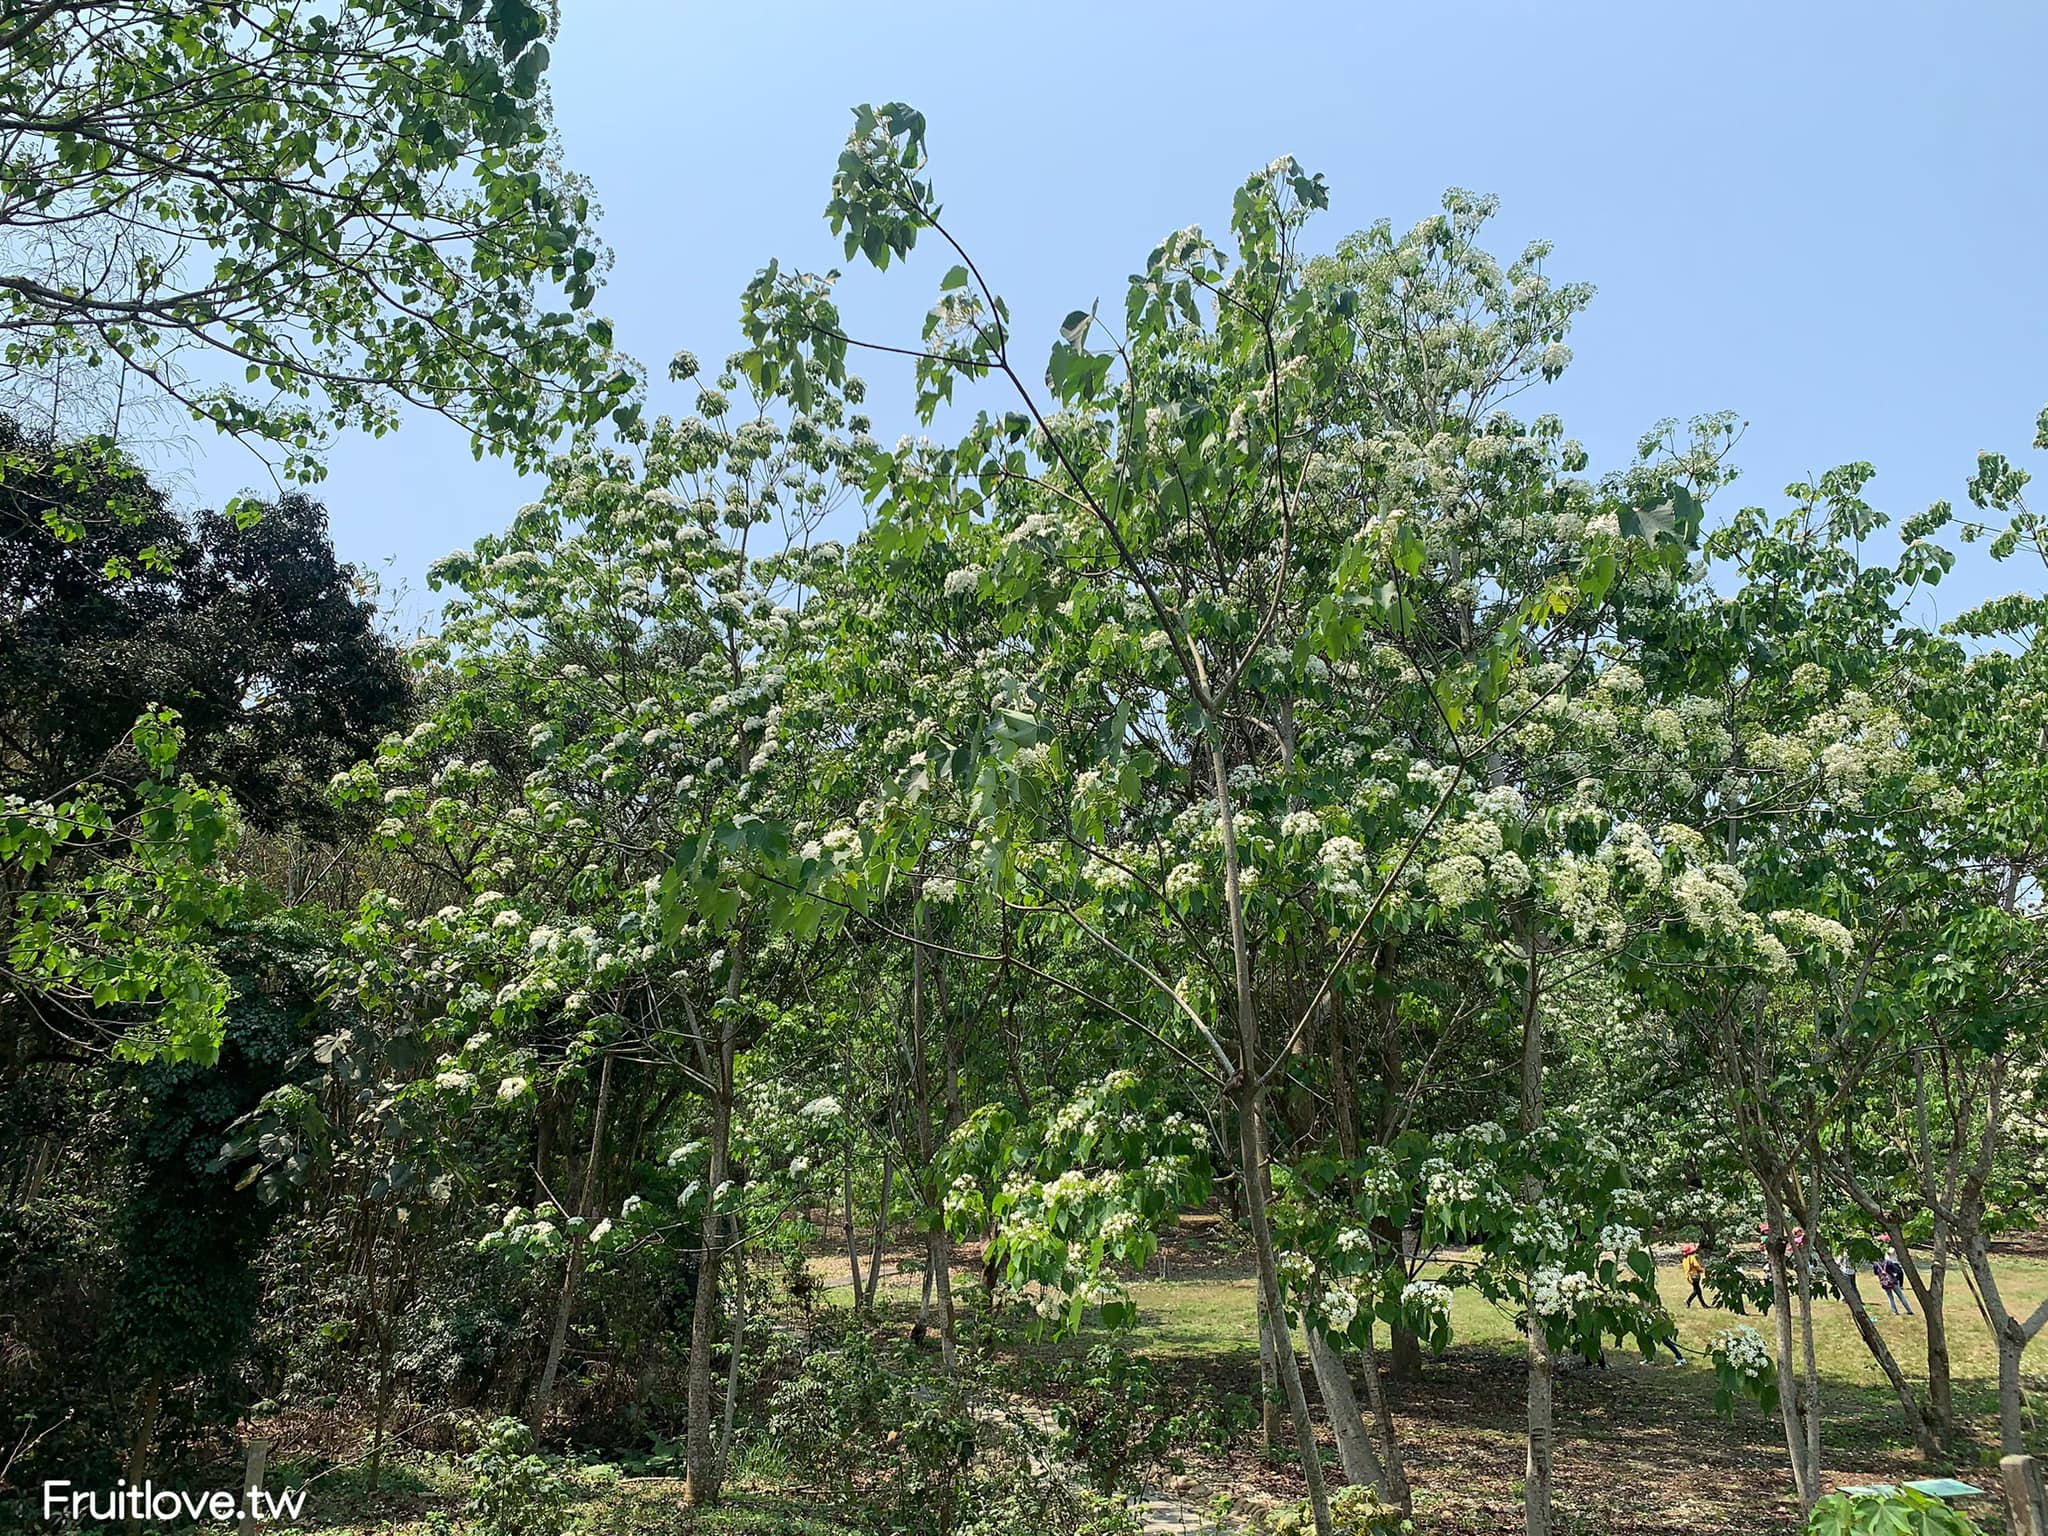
(1212, 1316)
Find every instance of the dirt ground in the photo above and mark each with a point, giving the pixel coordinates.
(1639, 1448)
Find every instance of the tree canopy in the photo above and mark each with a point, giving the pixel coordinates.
(289, 221)
(1254, 765)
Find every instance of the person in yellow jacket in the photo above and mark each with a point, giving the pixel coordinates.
(1695, 1272)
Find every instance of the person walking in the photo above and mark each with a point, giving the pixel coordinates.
(1891, 1279)
(1695, 1272)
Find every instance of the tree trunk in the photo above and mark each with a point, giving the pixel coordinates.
(1252, 1143)
(1810, 1378)
(572, 1272)
(881, 1236)
(145, 1433)
(2008, 1334)
(1789, 1406)
(739, 1339)
(939, 1255)
(1537, 1474)
(255, 1466)
(1270, 1428)
(852, 1235)
(1404, 1354)
(701, 1470)
(1917, 1420)
(1940, 1394)
(2012, 1439)
(1931, 1291)
(1383, 1415)
(1354, 1446)
(1540, 1415)
(938, 1248)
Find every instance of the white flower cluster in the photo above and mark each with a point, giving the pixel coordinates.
(1341, 1303)
(1385, 1182)
(1428, 1296)
(1580, 888)
(1711, 900)
(1620, 1240)
(1635, 855)
(1120, 1226)
(1301, 826)
(1343, 864)
(1107, 876)
(1745, 1349)
(1448, 1185)
(1558, 1293)
(1815, 931)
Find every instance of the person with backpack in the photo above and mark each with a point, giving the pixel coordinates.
(1891, 1279)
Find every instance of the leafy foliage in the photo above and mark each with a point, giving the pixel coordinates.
(358, 207)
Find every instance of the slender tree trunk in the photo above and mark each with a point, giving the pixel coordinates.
(1252, 1143)
(700, 1453)
(1810, 1377)
(2010, 1336)
(1389, 1436)
(572, 1272)
(2012, 1439)
(1361, 1462)
(739, 1339)
(938, 1277)
(940, 1258)
(701, 1468)
(1918, 1424)
(881, 1234)
(1931, 1292)
(852, 1235)
(145, 1433)
(1790, 1408)
(1940, 1392)
(1941, 1400)
(1538, 1477)
(1270, 1426)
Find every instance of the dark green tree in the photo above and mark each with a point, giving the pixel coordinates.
(255, 634)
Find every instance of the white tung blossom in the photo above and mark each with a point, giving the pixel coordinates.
(1814, 931)
(1745, 1350)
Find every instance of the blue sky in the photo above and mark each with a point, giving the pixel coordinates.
(1829, 218)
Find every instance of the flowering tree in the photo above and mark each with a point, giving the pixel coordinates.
(607, 736)
(1245, 552)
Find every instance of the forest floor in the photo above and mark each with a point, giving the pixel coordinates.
(1640, 1449)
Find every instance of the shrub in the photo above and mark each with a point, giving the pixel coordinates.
(517, 1493)
(1906, 1512)
(1354, 1511)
